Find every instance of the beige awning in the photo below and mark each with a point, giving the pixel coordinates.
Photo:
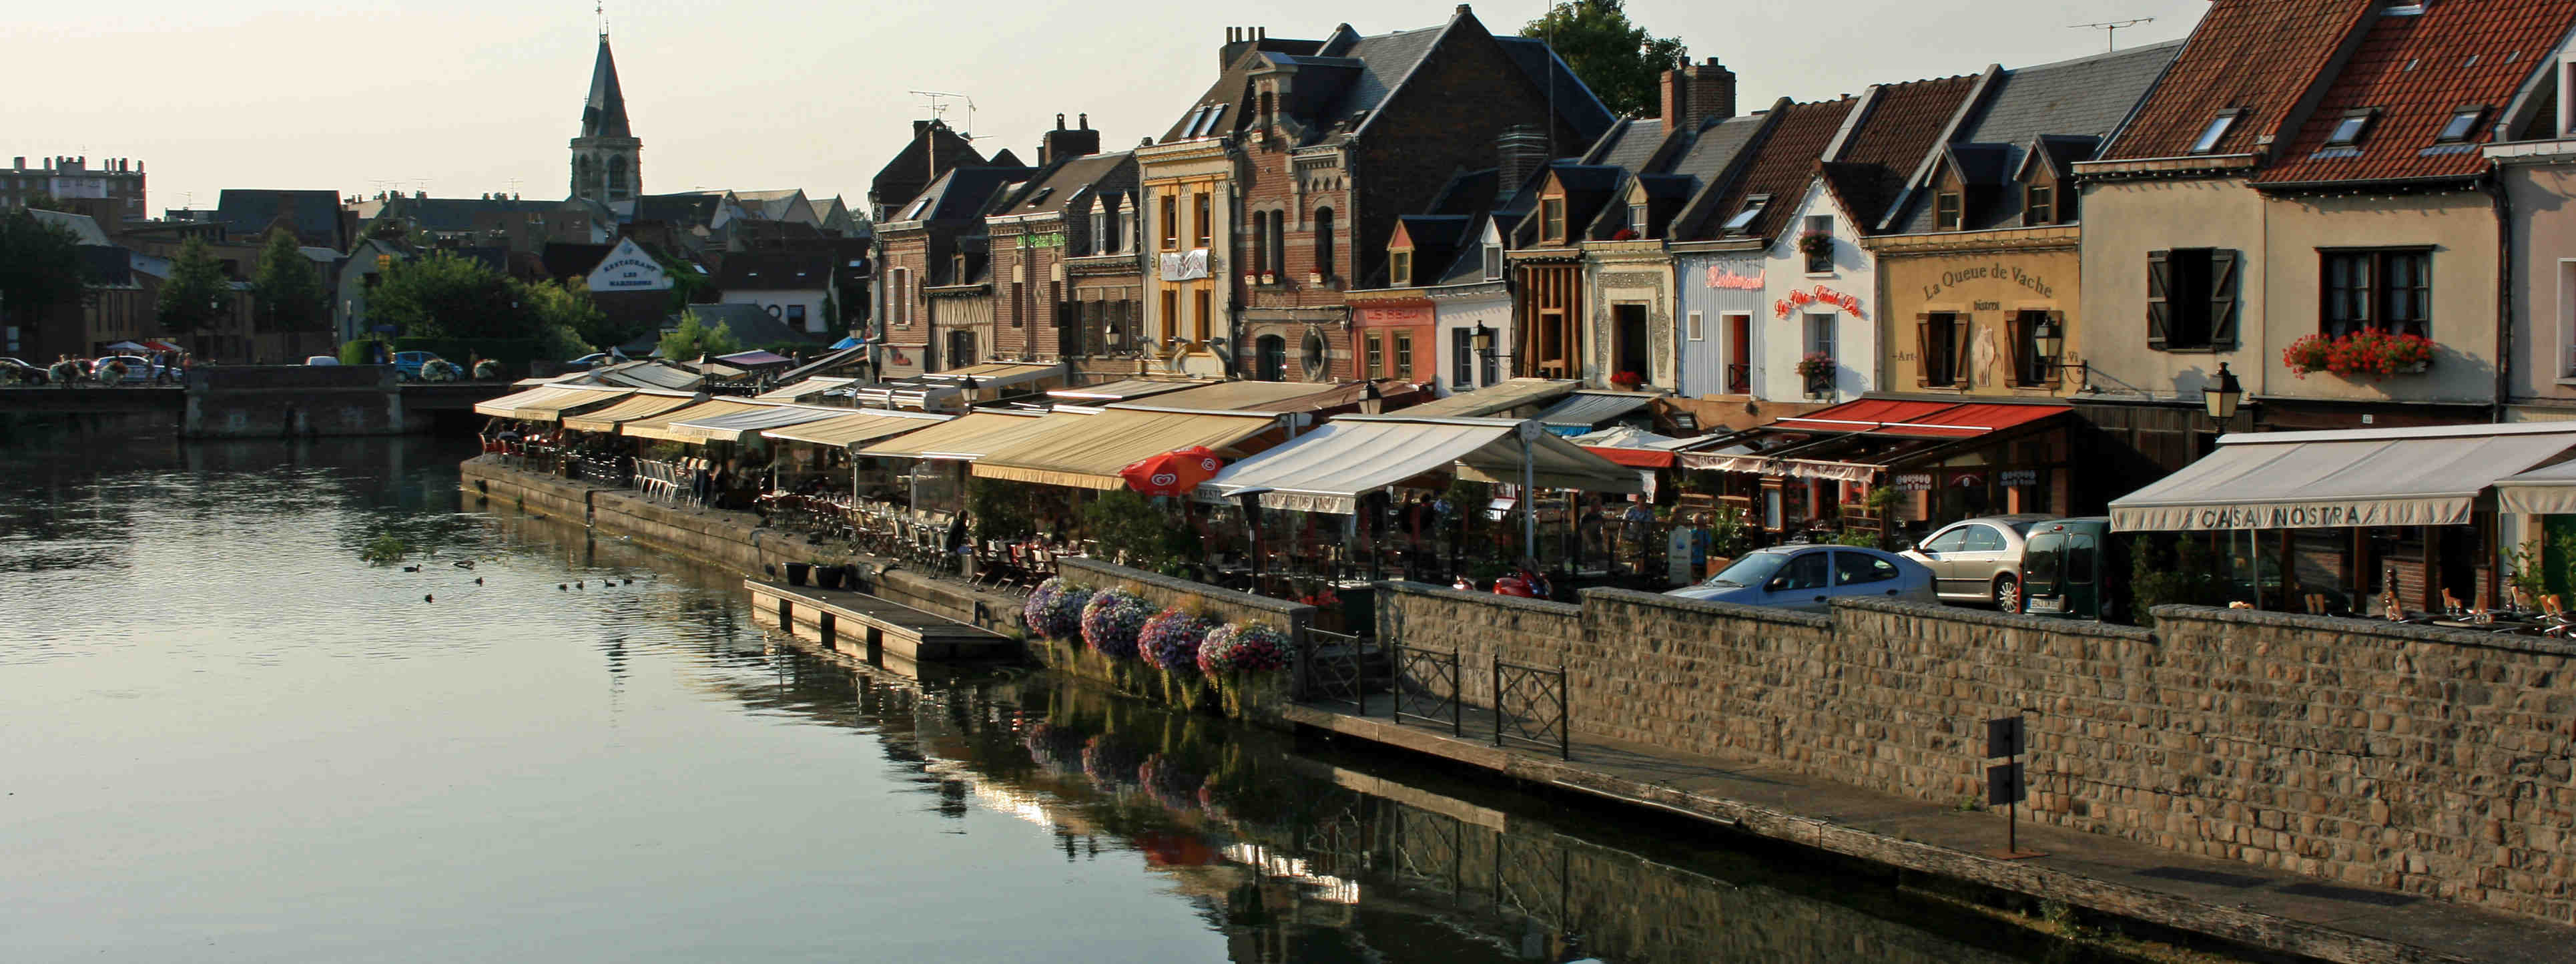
(991, 375)
(740, 427)
(545, 404)
(2425, 476)
(637, 406)
(850, 430)
(1784, 468)
(1237, 396)
(1086, 451)
(659, 426)
(967, 437)
(1123, 390)
(801, 391)
(1500, 397)
(2545, 491)
(1327, 470)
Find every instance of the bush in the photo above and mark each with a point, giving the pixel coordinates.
(361, 351)
(2171, 571)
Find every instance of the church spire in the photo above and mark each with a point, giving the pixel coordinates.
(605, 114)
(607, 160)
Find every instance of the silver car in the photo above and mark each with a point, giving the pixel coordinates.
(1809, 577)
(1979, 560)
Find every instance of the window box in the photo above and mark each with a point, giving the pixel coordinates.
(2368, 353)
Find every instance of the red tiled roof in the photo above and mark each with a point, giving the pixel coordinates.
(1905, 122)
(2415, 70)
(1918, 419)
(1786, 159)
(2258, 56)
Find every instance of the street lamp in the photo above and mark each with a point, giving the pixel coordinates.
(1483, 337)
(2050, 336)
(2222, 397)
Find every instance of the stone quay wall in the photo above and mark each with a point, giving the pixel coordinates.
(2434, 762)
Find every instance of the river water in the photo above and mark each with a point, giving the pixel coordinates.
(229, 738)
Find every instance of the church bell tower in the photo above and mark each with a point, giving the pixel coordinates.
(607, 160)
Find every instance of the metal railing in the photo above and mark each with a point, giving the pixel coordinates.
(1739, 379)
(1424, 685)
(1530, 708)
(1336, 669)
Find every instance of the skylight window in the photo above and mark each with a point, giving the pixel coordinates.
(1190, 128)
(2217, 130)
(2348, 129)
(1743, 220)
(1207, 121)
(2463, 124)
(1041, 196)
(914, 211)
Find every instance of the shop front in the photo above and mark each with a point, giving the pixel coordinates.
(1722, 302)
(1394, 330)
(1982, 313)
(1941, 462)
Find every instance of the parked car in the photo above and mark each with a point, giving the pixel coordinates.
(138, 369)
(593, 360)
(407, 364)
(322, 360)
(13, 370)
(2077, 568)
(1979, 560)
(1809, 577)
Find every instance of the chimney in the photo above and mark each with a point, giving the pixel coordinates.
(1059, 144)
(1237, 40)
(1696, 95)
(1521, 151)
(20, 165)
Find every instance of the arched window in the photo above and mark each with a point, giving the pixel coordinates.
(1278, 242)
(585, 176)
(1267, 117)
(1324, 242)
(1260, 241)
(617, 174)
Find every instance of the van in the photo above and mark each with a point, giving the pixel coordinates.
(2076, 569)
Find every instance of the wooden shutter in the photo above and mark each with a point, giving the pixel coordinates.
(1923, 351)
(2159, 312)
(2222, 299)
(2013, 348)
(2056, 373)
(1959, 351)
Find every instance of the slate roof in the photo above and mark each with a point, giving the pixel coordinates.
(1574, 99)
(248, 213)
(1780, 167)
(964, 193)
(1630, 144)
(84, 229)
(2415, 70)
(457, 214)
(774, 271)
(687, 209)
(2064, 108)
(1906, 121)
(907, 174)
(2259, 56)
(604, 114)
(567, 260)
(1051, 190)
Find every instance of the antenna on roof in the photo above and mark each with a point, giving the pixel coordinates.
(2111, 30)
(932, 97)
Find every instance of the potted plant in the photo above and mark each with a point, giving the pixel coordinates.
(797, 571)
(2308, 354)
(1817, 369)
(2368, 353)
(1816, 244)
(1627, 381)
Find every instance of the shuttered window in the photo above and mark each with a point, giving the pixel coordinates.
(2191, 299)
(1940, 345)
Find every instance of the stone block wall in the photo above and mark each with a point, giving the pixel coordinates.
(1165, 591)
(2430, 761)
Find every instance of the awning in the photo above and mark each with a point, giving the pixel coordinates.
(843, 355)
(2317, 480)
(967, 437)
(548, 403)
(905, 394)
(1593, 408)
(847, 342)
(641, 405)
(1245, 396)
(852, 429)
(755, 359)
(1908, 418)
(1633, 458)
(1785, 468)
(1088, 451)
(991, 375)
(740, 427)
(1328, 469)
(649, 373)
(1120, 391)
(1630, 437)
(2545, 491)
(659, 426)
(1502, 396)
(803, 390)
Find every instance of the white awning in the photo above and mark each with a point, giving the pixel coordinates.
(1328, 469)
(800, 391)
(547, 403)
(2544, 491)
(2318, 480)
(740, 427)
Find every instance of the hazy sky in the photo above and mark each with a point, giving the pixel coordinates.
(461, 97)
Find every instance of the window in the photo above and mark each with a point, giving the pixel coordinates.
(1493, 262)
(1822, 260)
(1376, 355)
(1127, 226)
(1272, 360)
(1941, 350)
(1403, 356)
(1171, 222)
(1743, 220)
(957, 268)
(1955, 540)
(1324, 242)
(899, 296)
(2389, 290)
(1551, 220)
(2039, 204)
(1199, 220)
(1278, 243)
(1637, 220)
(1462, 357)
(1019, 304)
(1820, 335)
(796, 318)
(1268, 114)
(1260, 241)
(1946, 206)
(2031, 368)
(1399, 268)
(1854, 568)
(1980, 539)
(2215, 132)
(1696, 334)
(1171, 326)
(617, 174)
(2463, 125)
(1199, 321)
(2191, 299)
(2349, 128)
(1100, 243)
(1806, 570)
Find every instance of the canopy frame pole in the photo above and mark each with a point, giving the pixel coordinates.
(1529, 494)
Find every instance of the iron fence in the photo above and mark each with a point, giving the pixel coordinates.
(1424, 685)
(1335, 668)
(1530, 707)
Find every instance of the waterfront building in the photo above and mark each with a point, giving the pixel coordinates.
(1071, 206)
(938, 310)
(112, 191)
(1722, 245)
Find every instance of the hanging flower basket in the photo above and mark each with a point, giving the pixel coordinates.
(1170, 640)
(2368, 353)
(1816, 244)
(1110, 621)
(1816, 365)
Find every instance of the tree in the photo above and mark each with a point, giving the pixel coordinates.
(288, 289)
(1622, 63)
(568, 304)
(40, 267)
(447, 295)
(693, 340)
(196, 295)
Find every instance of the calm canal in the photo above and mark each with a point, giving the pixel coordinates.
(228, 738)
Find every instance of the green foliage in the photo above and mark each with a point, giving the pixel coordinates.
(361, 351)
(448, 295)
(1000, 509)
(40, 266)
(1620, 61)
(288, 289)
(568, 306)
(1125, 521)
(689, 286)
(693, 339)
(1857, 537)
(2524, 572)
(1467, 506)
(197, 294)
(385, 550)
(2171, 571)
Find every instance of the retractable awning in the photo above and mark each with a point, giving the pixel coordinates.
(1120, 391)
(990, 375)
(1593, 408)
(965, 438)
(800, 391)
(905, 394)
(1327, 470)
(1502, 396)
(2424, 476)
(740, 427)
(547, 403)
(2543, 491)
(659, 426)
(1087, 451)
(850, 430)
(641, 405)
(1244, 396)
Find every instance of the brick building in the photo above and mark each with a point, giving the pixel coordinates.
(937, 292)
(1040, 311)
(117, 183)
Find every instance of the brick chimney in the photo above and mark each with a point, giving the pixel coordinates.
(1238, 40)
(1697, 94)
(1060, 143)
(1520, 152)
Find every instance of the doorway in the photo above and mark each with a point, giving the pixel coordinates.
(1270, 358)
(1629, 348)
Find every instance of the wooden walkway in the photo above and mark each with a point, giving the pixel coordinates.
(870, 628)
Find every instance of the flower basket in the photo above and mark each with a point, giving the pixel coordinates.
(1170, 640)
(1110, 621)
(2308, 354)
(2368, 353)
(1816, 244)
(1054, 609)
(1627, 381)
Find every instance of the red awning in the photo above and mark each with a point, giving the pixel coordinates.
(1635, 458)
(1906, 418)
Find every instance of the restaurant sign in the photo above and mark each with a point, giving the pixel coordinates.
(1914, 482)
(2018, 478)
(2293, 515)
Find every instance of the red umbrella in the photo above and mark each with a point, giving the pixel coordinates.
(1172, 473)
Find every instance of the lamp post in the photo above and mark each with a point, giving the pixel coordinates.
(1483, 338)
(2050, 335)
(2222, 397)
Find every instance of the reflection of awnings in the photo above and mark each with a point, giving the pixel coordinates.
(659, 426)
(740, 427)
(1501, 396)
(848, 430)
(1328, 469)
(2549, 491)
(545, 404)
(967, 437)
(2317, 480)
(1088, 451)
(638, 406)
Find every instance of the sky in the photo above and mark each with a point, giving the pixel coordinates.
(463, 97)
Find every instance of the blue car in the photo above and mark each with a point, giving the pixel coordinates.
(407, 363)
(1809, 577)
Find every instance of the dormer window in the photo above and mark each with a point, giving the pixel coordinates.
(2349, 128)
(1637, 219)
(2215, 132)
(1493, 262)
(913, 213)
(1551, 220)
(957, 269)
(1399, 267)
(1946, 210)
(1041, 196)
(2463, 125)
(1743, 220)
(2039, 204)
